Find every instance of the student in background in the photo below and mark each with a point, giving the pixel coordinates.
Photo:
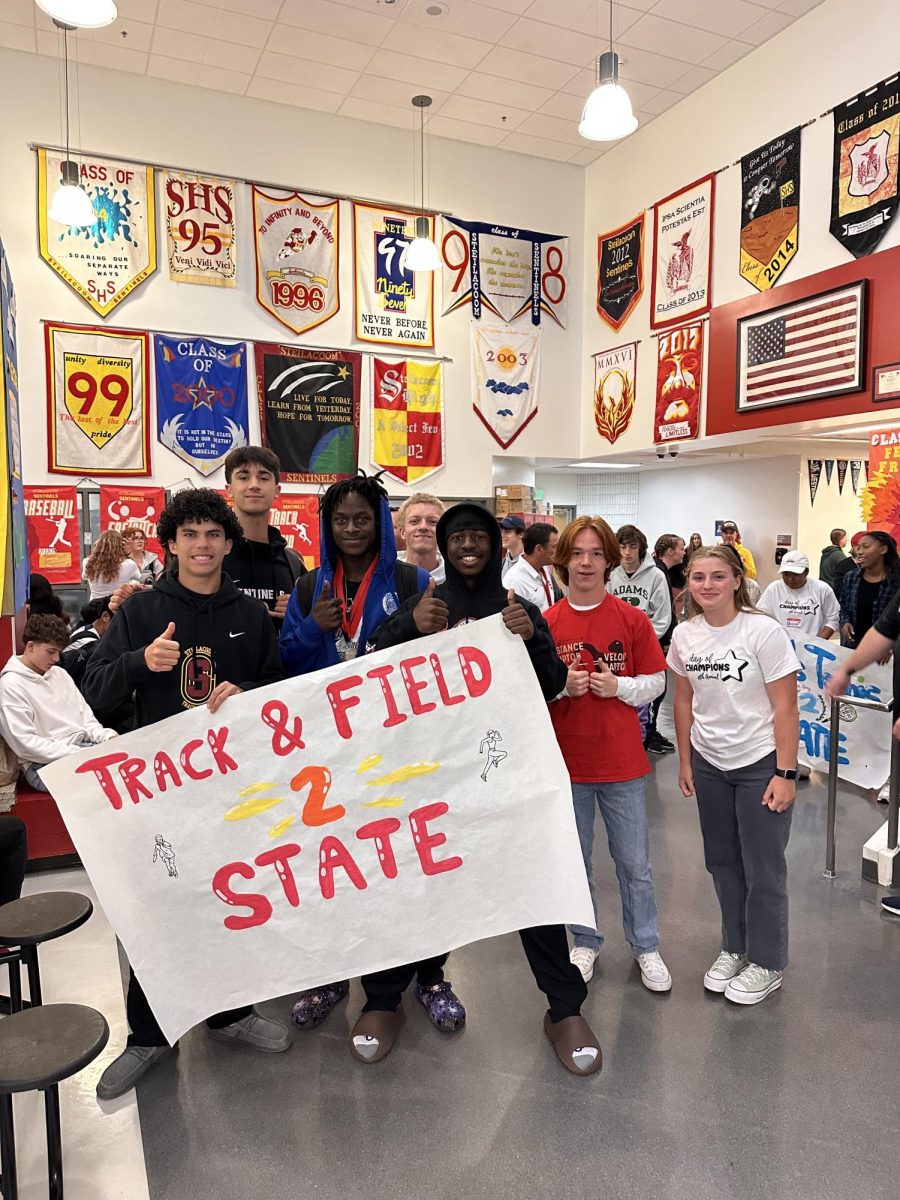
(731, 536)
(868, 586)
(531, 576)
(108, 566)
(832, 556)
(146, 561)
(417, 521)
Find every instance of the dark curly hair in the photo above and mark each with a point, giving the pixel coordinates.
(369, 487)
(41, 627)
(196, 504)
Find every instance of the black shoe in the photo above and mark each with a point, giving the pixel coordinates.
(657, 744)
(891, 904)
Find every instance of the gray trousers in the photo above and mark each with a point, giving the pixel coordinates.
(743, 845)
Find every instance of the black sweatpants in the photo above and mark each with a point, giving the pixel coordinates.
(13, 858)
(145, 1030)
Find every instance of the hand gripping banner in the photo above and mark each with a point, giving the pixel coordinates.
(620, 272)
(506, 373)
(864, 167)
(682, 254)
(200, 232)
(407, 418)
(770, 209)
(297, 244)
(394, 305)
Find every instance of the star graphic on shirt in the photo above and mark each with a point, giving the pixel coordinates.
(735, 668)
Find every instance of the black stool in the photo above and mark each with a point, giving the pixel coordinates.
(38, 1048)
(11, 957)
(34, 919)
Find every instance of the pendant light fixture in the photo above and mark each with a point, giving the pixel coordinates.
(607, 115)
(71, 205)
(80, 14)
(422, 253)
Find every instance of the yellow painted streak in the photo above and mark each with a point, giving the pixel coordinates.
(250, 808)
(281, 827)
(255, 788)
(368, 763)
(387, 802)
(410, 771)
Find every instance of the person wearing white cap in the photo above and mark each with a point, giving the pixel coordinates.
(805, 607)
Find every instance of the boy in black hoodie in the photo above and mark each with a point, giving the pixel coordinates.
(192, 639)
(469, 540)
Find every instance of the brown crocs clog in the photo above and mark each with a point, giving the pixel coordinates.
(571, 1036)
(373, 1035)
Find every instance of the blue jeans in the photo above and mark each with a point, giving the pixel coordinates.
(624, 812)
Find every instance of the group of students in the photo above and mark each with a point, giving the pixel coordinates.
(597, 655)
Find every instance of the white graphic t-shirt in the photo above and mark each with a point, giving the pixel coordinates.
(802, 612)
(728, 669)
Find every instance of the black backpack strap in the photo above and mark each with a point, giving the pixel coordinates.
(407, 577)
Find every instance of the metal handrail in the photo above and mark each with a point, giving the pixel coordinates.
(894, 790)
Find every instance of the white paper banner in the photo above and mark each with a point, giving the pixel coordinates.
(375, 813)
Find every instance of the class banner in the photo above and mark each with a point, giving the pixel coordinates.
(297, 520)
(615, 388)
(201, 399)
(864, 167)
(309, 410)
(14, 544)
(200, 229)
(103, 262)
(407, 418)
(505, 271)
(98, 389)
(394, 306)
(880, 499)
(297, 246)
(682, 254)
(679, 383)
(620, 272)
(505, 379)
(54, 537)
(770, 210)
(370, 814)
(123, 506)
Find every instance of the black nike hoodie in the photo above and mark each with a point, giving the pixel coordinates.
(485, 597)
(225, 637)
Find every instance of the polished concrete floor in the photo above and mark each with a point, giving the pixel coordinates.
(698, 1098)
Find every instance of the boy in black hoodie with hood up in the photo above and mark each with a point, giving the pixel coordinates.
(469, 539)
(191, 639)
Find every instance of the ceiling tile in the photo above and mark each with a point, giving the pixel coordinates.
(231, 57)
(573, 47)
(463, 131)
(297, 71)
(565, 106)
(583, 158)
(414, 70)
(19, 12)
(686, 11)
(47, 44)
(766, 27)
(540, 147)
(731, 17)
(503, 91)
(246, 31)
(141, 10)
(267, 9)
(511, 64)
(653, 33)
(531, 36)
(223, 81)
(457, 50)
(379, 114)
(553, 128)
(796, 8)
(116, 58)
(318, 101)
(645, 67)
(510, 6)
(479, 21)
(661, 101)
(694, 45)
(390, 91)
(186, 16)
(319, 47)
(17, 37)
(169, 43)
(565, 12)
(274, 90)
(692, 79)
(481, 112)
(134, 35)
(730, 53)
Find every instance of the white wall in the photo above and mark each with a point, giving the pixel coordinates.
(832, 508)
(129, 115)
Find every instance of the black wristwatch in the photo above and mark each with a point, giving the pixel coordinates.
(785, 774)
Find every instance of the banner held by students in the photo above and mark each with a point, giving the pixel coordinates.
(682, 254)
(864, 189)
(394, 305)
(679, 383)
(200, 229)
(54, 538)
(331, 825)
(770, 209)
(506, 376)
(407, 418)
(141, 506)
(297, 247)
(615, 387)
(620, 272)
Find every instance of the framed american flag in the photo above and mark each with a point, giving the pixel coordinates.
(808, 350)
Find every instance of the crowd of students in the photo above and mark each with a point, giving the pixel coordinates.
(600, 621)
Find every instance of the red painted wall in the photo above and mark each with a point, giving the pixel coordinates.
(882, 346)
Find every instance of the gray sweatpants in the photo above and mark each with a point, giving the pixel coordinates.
(743, 845)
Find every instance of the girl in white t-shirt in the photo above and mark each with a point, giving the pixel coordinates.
(108, 566)
(737, 727)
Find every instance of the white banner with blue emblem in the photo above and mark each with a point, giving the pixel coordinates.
(506, 374)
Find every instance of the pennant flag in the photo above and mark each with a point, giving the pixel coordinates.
(682, 254)
(54, 538)
(297, 247)
(13, 539)
(506, 375)
(200, 233)
(123, 506)
(864, 167)
(297, 520)
(106, 261)
(97, 397)
(201, 399)
(309, 410)
(866, 466)
(770, 209)
(679, 383)
(842, 474)
(829, 470)
(615, 387)
(394, 305)
(855, 468)
(814, 470)
(620, 272)
(407, 418)
(505, 271)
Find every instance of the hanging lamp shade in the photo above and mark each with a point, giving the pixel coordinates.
(421, 253)
(80, 14)
(71, 205)
(607, 114)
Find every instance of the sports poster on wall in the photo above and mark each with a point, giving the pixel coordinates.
(297, 520)
(505, 271)
(297, 246)
(679, 383)
(309, 410)
(394, 306)
(123, 506)
(54, 538)
(97, 400)
(13, 546)
(505, 379)
(620, 272)
(201, 398)
(615, 387)
(407, 418)
(770, 210)
(106, 261)
(200, 229)
(864, 167)
(682, 254)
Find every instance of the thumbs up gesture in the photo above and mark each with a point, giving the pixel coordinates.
(327, 610)
(603, 682)
(163, 652)
(431, 614)
(516, 619)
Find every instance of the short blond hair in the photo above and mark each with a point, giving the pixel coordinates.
(417, 498)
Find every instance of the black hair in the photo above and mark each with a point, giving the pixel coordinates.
(631, 533)
(536, 535)
(891, 558)
(42, 599)
(369, 487)
(244, 456)
(94, 610)
(666, 542)
(196, 504)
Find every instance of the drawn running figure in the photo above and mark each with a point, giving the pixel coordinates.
(163, 850)
(494, 756)
(59, 538)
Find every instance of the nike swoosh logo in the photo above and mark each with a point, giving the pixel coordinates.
(241, 634)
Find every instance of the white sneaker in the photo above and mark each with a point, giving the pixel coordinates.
(885, 794)
(654, 972)
(723, 970)
(752, 985)
(583, 957)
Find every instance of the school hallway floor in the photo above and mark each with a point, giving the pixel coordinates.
(698, 1099)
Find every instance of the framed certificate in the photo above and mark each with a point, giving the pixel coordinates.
(886, 383)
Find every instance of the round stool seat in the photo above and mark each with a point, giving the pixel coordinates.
(42, 917)
(41, 1046)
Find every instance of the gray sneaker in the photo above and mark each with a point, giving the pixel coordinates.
(123, 1073)
(257, 1032)
(723, 970)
